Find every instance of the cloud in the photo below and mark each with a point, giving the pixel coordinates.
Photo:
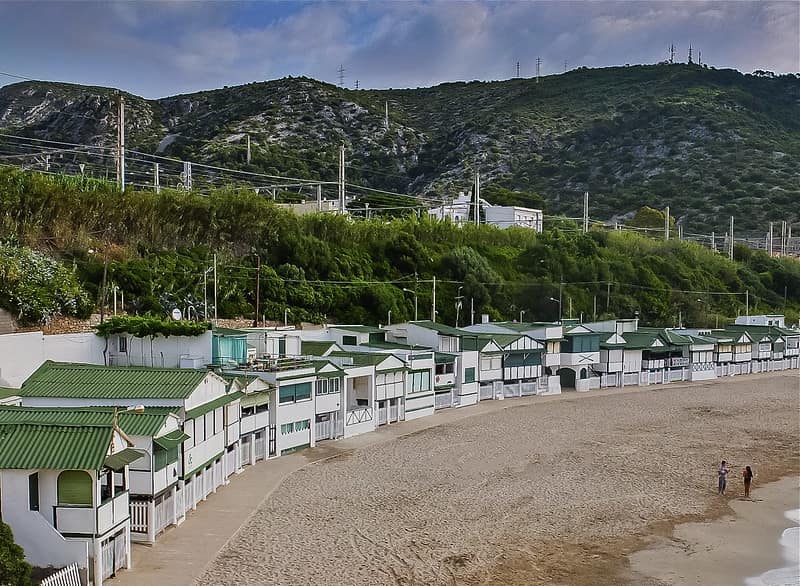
(160, 48)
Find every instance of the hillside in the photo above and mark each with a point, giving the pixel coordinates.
(328, 268)
(708, 143)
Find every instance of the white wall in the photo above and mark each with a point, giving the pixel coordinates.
(167, 352)
(21, 354)
(43, 545)
(211, 388)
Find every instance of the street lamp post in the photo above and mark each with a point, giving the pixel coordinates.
(205, 292)
(286, 316)
(414, 293)
(559, 307)
(521, 313)
(459, 297)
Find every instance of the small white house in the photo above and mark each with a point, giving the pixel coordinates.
(516, 216)
(64, 489)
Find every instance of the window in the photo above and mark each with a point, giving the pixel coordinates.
(287, 428)
(445, 368)
(74, 488)
(469, 375)
(219, 423)
(199, 430)
(282, 347)
(123, 344)
(419, 380)
(302, 425)
(162, 457)
(291, 393)
(490, 363)
(334, 385)
(322, 386)
(349, 341)
(33, 491)
(209, 424)
(188, 429)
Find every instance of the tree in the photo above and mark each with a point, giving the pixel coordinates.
(14, 570)
(647, 217)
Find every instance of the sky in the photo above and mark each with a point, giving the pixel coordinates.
(156, 49)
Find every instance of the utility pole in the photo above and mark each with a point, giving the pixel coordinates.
(215, 289)
(187, 176)
(680, 232)
(477, 191)
(248, 149)
(608, 295)
(538, 68)
(319, 197)
(585, 212)
(386, 115)
(121, 142)
(258, 288)
(783, 238)
(157, 177)
(666, 223)
(747, 302)
(730, 252)
(433, 301)
(713, 242)
(341, 179)
(769, 241)
(472, 308)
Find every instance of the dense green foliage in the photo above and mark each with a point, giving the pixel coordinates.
(14, 570)
(35, 287)
(149, 327)
(709, 143)
(330, 267)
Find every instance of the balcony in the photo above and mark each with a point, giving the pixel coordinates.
(653, 364)
(446, 379)
(91, 521)
(552, 359)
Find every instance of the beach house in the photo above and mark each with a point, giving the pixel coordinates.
(64, 488)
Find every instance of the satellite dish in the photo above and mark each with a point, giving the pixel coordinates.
(176, 314)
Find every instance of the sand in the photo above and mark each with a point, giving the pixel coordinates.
(730, 549)
(558, 491)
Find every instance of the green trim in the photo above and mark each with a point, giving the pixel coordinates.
(212, 405)
(338, 374)
(310, 375)
(196, 469)
(294, 449)
(468, 394)
(431, 406)
(427, 394)
(391, 370)
(121, 459)
(255, 399)
(444, 387)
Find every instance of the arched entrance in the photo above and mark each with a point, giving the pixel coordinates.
(567, 376)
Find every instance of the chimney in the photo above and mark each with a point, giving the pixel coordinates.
(484, 318)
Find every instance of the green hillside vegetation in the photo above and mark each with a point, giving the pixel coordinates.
(709, 143)
(328, 267)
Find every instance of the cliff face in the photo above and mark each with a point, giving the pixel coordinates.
(708, 143)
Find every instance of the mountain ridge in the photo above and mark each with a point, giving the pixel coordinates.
(708, 143)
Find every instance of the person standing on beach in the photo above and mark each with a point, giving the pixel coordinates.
(722, 476)
(747, 475)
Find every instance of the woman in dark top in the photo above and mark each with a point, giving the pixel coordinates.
(747, 475)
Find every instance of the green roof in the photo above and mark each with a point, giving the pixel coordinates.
(443, 329)
(359, 329)
(255, 399)
(171, 440)
(6, 392)
(89, 381)
(130, 422)
(54, 447)
(365, 358)
(316, 348)
(228, 332)
(392, 346)
(211, 405)
(443, 358)
(504, 340)
(320, 364)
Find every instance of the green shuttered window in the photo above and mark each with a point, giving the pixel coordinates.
(297, 392)
(74, 488)
(469, 375)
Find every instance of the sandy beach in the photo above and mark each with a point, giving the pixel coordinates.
(557, 491)
(726, 551)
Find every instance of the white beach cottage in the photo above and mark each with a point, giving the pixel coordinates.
(64, 487)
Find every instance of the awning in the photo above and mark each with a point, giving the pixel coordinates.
(444, 358)
(121, 459)
(255, 399)
(171, 440)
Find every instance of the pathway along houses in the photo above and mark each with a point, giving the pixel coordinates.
(93, 456)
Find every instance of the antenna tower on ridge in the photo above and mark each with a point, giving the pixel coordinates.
(672, 54)
(341, 76)
(517, 68)
(538, 68)
(690, 53)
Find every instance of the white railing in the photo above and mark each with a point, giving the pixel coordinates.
(528, 388)
(323, 430)
(244, 454)
(630, 379)
(382, 416)
(393, 412)
(485, 392)
(359, 415)
(139, 514)
(511, 390)
(164, 509)
(261, 447)
(443, 400)
(69, 576)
